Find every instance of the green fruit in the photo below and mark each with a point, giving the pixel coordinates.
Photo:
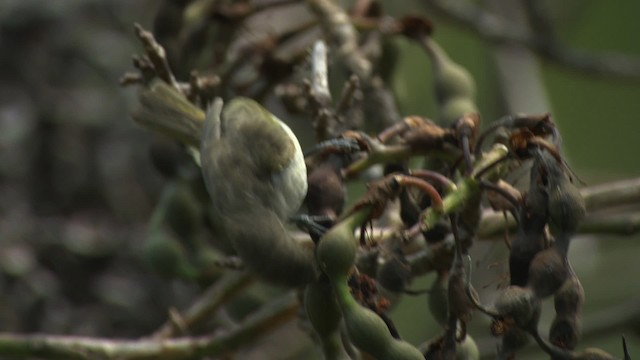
(336, 251)
(166, 256)
(455, 108)
(367, 331)
(322, 308)
(467, 350)
(450, 79)
(401, 350)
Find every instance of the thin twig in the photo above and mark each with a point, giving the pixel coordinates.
(157, 55)
(207, 304)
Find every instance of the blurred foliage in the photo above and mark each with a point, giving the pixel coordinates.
(77, 186)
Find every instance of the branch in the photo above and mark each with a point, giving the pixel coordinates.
(263, 321)
(611, 194)
(156, 55)
(497, 30)
(597, 198)
(338, 28)
(208, 303)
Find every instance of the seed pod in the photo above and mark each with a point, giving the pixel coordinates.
(398, 349)
(321, 307)
(520, 304)
(324, 314)
(455, 108)
(166, 255)
(530, 239)
(182, 212)
(454, 86)
(566, 205)
(569, 299)
(167, 156)
(548, 271)
(459, 303)
(467, 350)
(336, 251)
(367, 331)
(438, 295)
(565, 331)
(513, 340)
(326, 191)
(395, 274)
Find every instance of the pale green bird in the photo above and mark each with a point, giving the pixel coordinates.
(255, 173)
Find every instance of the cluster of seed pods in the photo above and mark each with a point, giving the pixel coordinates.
(550, 213)
(336, 255)
(548, 216)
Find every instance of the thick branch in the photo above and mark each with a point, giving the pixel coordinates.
(76, 347)
(337, 26)
(597, 198)
(497, 30)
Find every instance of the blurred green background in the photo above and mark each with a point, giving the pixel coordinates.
(76, 185)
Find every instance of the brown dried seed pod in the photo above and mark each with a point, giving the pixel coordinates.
(395, 274)
(530, 239)
(565, 332)
(569, 299)
(438, 304)
(326, 191)
(548, 271)
(520, 304)
(513, 340)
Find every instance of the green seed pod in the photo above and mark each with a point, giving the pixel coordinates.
(569, 299)
(167, 156)
(565, 332)
(438, 298)
(166, 255)
(367, 331)
(467, 350)
(451, 81)
(322, 308)
(455, 108)
(400, 350)
(325, 317)
(336, 251)
(183, 212)
(521, 304)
